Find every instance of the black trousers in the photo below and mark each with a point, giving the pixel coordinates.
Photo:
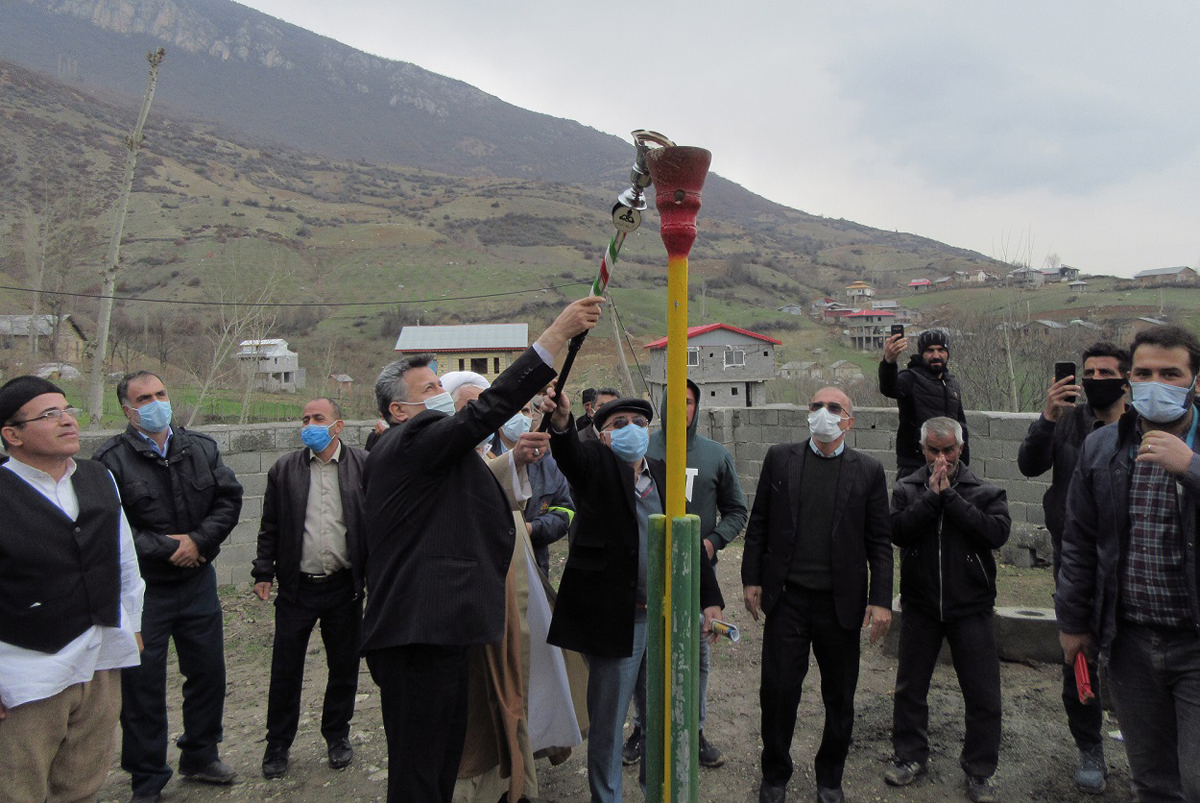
(1084, 721)
(333, 603)
(972, 642)
(190, 614)
(804, 620)
(423, 692)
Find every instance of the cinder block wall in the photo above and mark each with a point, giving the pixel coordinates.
(251, 449)
(994, 439)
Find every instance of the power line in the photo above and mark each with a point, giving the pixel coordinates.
(296, 303)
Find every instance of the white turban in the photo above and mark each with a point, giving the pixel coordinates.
(457, 379)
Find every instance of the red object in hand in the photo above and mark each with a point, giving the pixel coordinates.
(1083, 681)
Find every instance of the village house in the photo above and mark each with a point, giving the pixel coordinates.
(486, 349)
(1180, 274)
(800, 370)
(731, 366)
(845, 371)
(860, 293)
(867, 329)
(276, 368)
(59, 338)
(920, 285)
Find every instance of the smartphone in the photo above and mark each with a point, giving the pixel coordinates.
(898, 329)
(1061, 371)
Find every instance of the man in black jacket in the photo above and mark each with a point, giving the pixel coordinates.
(601, 606)
(182, 502)
(923, 390)
(818, 562)
(311, 539)
(1129, 583)
(439, 540)
(1054, 441)
(946, 522)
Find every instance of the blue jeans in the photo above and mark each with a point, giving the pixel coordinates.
(610, 686)
(639, 694)
(1154, 680)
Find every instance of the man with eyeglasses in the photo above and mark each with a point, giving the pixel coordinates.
(70, 601)
(820, 513)
(947, 522)
(601, 607)
(182, 502)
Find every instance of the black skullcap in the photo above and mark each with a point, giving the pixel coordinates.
(933, 337)
(589, 395)
(608, 408)
(19, 391)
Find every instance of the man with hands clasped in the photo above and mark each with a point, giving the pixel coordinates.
(820, 513)
(1128, 586)
(946, 522)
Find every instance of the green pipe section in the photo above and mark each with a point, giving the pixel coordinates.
(656, 575)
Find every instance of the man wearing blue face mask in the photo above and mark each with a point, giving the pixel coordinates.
(182, 502)
(601, 607)
(311, 543)
(440, 537)
(1129, 585)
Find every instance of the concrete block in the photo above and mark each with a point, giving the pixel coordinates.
(979, 424)
(253, 484)
(1036, 514)
(244, 462)
(1011, 450)
(1028, 634)
(749, 433)
(251, 509)
(236, 557)
(750, 451)
(244, 532)
(983, 447)
(288, 437)
(1009, 426)
(873, 439)
(252, 440)
(1029, 491)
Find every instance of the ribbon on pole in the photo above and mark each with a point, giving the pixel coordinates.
(627, 217)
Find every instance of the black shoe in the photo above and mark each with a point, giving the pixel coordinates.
(632, 752)
(902, 773)
(709, 756)
(218, 772)
(981, 790)
(826, 794)
(340, 753)
(771, 794)
(275, 761)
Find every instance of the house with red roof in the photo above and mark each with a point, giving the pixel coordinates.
(731, 366)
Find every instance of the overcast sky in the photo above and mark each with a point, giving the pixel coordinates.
(1016, 129)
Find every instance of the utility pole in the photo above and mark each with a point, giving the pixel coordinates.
(133, 144)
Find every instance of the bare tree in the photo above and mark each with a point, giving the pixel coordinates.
(133, 144)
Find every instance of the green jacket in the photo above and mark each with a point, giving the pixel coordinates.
(715, 494)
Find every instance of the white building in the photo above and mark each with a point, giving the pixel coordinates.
(276, 368)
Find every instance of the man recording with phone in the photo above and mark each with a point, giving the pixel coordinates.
(1054, 441)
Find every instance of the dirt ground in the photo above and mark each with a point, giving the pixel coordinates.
(1037, 756)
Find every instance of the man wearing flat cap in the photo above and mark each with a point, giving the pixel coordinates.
(70, 601)
(601, 607)
(925, 389)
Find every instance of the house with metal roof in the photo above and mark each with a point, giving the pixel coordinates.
(58, 337)
(1180, 274)
(486, 349)
(868, 328)
(731, 366)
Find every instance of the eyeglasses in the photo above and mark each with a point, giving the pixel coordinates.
(832, 407)
(53, 413)
(621, 422)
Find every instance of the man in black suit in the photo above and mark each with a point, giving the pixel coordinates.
(311, 541)
(439, 539)
(820, 512)
(601, 606)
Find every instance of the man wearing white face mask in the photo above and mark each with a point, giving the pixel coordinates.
(820, 513)
(1129, 586)
(182, 502)
(439, 541)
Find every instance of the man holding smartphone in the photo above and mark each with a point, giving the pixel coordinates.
(1054, 441)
